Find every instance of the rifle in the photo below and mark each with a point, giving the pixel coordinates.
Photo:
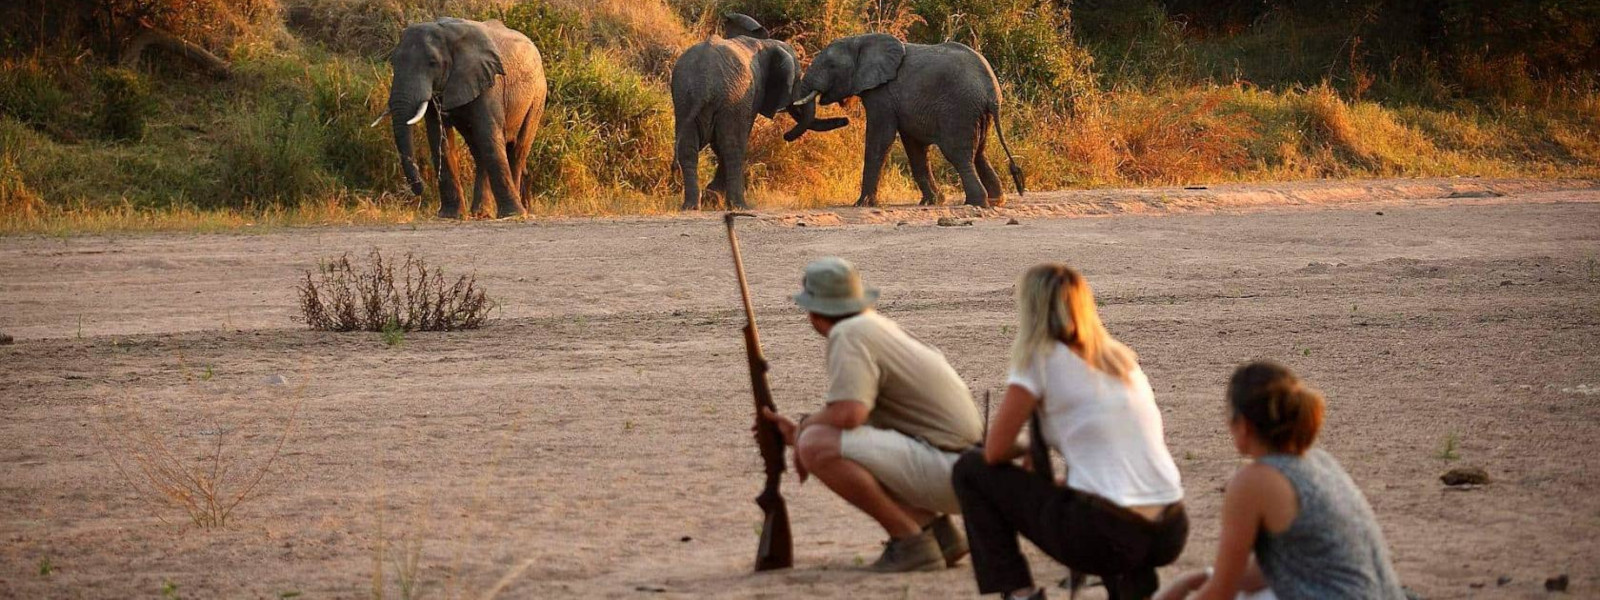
(776, 549)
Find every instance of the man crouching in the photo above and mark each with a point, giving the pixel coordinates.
(896, 418)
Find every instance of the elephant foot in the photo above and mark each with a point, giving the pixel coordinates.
(980, 203)
(510, 212)
(931, 201)
(447, 213)
(690, 206)
(867, 202)
(997, 202)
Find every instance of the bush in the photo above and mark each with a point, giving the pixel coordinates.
(344, 98)
(125, 104)
(274, 157)
(32, 94)
(604, 127)
(341, 296)
(1026, 41)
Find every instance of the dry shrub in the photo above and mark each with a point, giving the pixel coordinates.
(17, 201)
(209, 487)
(647, 33)
(1181, 139)
(340, 296)
(1365, 134)
(366, 27)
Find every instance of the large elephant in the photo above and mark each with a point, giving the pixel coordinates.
(486, 82)
(943, 95)
(718, 88)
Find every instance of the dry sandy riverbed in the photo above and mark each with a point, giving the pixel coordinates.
(593, 441)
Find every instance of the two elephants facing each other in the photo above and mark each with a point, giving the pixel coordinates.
(943, 95)
(718, 88)
(483, 80)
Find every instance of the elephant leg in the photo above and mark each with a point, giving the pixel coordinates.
(917, 156)
(732, 136)
(688, 157)
(442, 144)
(880, 135)
(520, 148)
(487, 143)
(963, 155)
(993, 190)
(717, 191)
(480, 191)
(990, 179)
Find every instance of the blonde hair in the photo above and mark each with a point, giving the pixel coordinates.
(1055, 304)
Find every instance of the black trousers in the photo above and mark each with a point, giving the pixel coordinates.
(1086, 533)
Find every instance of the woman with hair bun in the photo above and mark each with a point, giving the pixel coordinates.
(1294, 525)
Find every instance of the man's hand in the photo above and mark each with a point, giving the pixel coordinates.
(785, 426)
(789, 429)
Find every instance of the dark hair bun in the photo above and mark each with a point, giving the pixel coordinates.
(1282, 410)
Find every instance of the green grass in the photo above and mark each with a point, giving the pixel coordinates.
(393, 334)
(1448, 450)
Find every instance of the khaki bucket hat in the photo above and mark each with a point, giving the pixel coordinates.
(832, 287)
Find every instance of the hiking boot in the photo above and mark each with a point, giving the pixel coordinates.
(952, 544)
(919, 552)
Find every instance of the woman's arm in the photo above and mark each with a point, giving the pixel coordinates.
(1242, 511)
(1001, 445)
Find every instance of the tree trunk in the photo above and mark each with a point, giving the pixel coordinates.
(161, 40)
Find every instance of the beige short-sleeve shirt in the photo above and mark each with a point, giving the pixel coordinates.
(907, 385)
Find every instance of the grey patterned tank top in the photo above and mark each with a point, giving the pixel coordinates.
(1333, 548)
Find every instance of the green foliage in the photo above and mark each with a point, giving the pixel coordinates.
(274, 157)
(125, 103)
(605, 127)
(32, 94)
(46, 567)
(558, 32)
(344, 96)
(393, 333)
(1448, 451)
(1026, 41)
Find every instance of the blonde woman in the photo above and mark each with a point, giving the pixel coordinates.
(1120, 514)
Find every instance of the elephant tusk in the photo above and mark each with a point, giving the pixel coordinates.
(378, 120)
(420, 112)
(809, 97)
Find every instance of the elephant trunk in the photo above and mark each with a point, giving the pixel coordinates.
(404, 115)
(804, 112)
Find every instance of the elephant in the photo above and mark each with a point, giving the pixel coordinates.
(718, 88)
(944, 95)
(486, 82)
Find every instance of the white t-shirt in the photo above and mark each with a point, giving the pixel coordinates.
(1109, 431)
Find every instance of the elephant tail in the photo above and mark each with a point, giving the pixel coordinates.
(999, 130)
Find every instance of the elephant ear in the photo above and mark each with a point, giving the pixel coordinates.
(736, 24)
(878, 57)
(474, 62)
(779, 70)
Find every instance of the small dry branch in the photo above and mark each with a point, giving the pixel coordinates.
(208, 487)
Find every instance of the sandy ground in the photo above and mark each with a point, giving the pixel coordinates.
(593, 441)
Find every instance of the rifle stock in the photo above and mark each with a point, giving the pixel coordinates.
(776, 548)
